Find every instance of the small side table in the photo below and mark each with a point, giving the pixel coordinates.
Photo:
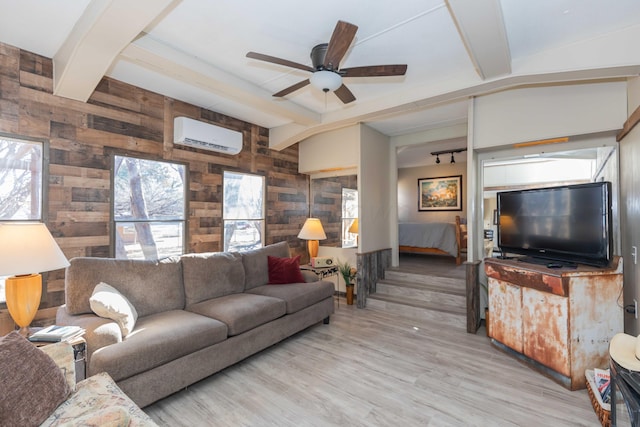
(324, 272)
(627, 383)
(79, 345)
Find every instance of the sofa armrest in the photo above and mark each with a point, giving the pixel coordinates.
(309, 276)
(98, 401)
(62, 355)
(99, 332)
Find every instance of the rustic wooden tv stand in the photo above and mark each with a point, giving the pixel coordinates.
(560, 320)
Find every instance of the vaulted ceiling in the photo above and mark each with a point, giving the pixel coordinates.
(195, 51)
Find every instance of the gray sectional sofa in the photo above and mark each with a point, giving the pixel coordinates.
(196, 315)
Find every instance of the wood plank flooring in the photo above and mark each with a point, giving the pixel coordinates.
(370, 368)
(436, 265)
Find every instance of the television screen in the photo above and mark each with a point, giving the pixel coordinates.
(567, 223)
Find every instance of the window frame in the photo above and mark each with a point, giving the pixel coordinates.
(345, 227)
(44, 190)
(263, 218)
(112, 213)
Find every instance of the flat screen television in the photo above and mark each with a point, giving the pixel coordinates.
(568, 223)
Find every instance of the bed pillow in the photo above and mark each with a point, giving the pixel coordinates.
(32, 384)
(107, 302)
(284, 270)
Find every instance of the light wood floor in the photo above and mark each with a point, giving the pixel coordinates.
(369, 368)
(437, 265)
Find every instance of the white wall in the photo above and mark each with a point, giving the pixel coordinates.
(588, 113)
(339, 255)
(408, 191)
(330, 151)
(374, 191)
(630, 209)
(536, 113)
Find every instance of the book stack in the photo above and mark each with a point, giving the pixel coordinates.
(56, 333)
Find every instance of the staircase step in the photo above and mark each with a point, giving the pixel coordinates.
(448, 283)
(435, 294)
(449, 316)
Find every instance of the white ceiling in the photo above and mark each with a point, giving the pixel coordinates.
(194, 50)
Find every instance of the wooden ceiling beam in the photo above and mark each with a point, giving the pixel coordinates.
(104, 29)
(481, 28)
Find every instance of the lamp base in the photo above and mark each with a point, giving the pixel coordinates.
(23, 299)
(312, 246)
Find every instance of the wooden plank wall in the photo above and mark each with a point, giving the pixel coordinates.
(326, 194)
(123, 119)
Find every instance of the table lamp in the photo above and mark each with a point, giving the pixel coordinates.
(353, 229)
(26, 248)
(312, 231)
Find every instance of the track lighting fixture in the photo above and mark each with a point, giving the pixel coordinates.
(452, 152)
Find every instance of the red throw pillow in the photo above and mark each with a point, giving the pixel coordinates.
(284, 270)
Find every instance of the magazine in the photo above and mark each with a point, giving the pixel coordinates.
(55, 333)
(602, 380)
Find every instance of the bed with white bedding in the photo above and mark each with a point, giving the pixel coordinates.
(442, 238)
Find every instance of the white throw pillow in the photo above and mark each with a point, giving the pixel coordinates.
(107, 302)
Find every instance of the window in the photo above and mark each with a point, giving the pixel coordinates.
(21, 166)
(20, 180)
(243, 211)
(149, 208)
(349, 215)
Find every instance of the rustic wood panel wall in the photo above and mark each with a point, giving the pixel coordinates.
(371, 267)
(326, 194)
(123, 119)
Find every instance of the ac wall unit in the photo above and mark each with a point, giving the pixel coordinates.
(193, 133)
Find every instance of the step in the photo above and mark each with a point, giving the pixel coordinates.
(445, 282)
(436, 294)
(451, 317)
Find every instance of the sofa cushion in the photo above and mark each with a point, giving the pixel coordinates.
(151, 286)
(298, 295)
(284, 270)
(241, 312)
(157, 339)
(211, 275)
(256, 268)
(107, 302)
(32, 384)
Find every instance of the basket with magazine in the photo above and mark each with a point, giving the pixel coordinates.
(600, 406)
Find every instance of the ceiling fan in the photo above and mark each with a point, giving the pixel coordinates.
(327, 74)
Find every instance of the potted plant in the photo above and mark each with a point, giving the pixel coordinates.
(349, 275)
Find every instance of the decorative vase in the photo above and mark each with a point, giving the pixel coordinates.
(349, 294)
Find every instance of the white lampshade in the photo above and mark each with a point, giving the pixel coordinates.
(27, 248)
(312, 230)
(326, 80)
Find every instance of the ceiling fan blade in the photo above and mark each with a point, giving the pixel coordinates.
(375, 71)
(341, 39)
(344, 94)
(279, 61)
(292, 88)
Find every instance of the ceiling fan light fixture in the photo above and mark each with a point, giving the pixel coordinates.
(326, 80)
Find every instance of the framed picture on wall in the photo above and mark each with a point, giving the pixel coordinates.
(443, 193)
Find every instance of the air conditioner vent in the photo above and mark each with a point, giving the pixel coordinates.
(196, 134)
